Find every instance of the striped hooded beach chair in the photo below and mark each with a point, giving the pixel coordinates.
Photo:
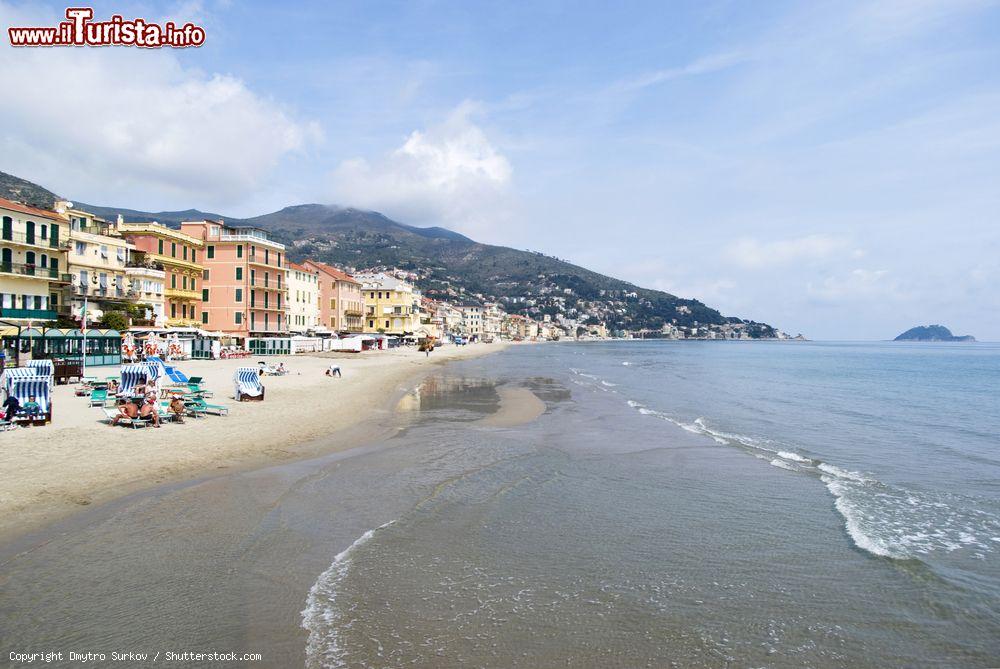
(11, 374)
(27, 387)
(43, 367)
(131, 376)
(248, 385)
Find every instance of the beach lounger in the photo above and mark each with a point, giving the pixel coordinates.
(98, 397)
(37, 387)
(200, 405)
(247, 385)
(127, 422)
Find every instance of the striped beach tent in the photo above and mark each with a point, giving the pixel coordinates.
(11, 374)
(27, 387)
(132, 375)
(248, 385)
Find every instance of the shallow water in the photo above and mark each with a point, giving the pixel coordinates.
(678, 504)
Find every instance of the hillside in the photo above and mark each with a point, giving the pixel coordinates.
(932, 333)
(446, 264)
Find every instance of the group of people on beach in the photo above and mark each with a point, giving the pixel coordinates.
(146, 409)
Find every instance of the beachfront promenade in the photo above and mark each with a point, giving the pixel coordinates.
(77, 460)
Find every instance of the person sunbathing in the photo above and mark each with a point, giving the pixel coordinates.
(148, 412)
(127, 410)
(177, 408)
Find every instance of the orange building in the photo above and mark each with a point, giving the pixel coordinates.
(244, 287)
(341, 304)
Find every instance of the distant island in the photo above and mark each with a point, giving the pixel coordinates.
(932, 333)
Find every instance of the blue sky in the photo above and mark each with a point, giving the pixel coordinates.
(831, 168)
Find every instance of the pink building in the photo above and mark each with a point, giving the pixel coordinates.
(341, 304)
(244, 284)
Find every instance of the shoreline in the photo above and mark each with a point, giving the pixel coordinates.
(48, 474)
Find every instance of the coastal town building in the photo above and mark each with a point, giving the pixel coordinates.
(177, 254)
(97, 261)
(303, 311)
(341, 300)
(492, 320)
(243, 287)
(32, 262)
(146, 287)
(472, 320)
(392, 306)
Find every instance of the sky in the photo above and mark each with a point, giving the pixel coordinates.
(831, 168)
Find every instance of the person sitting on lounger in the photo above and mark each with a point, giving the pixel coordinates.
(148, 412)
(11, 406)
(281, 368)
(31, 407)
(127, 410)
(334, 370)
(177, 408)
(112, 387)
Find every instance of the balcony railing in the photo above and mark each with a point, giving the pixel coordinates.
(145, 264)
(33, 270)
(181, 294)
(32, 240)
(34, 314)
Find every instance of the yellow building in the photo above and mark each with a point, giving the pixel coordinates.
(97, 259)
(391, 306)
(32, 262)
(177, 255)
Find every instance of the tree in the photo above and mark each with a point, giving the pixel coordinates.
(114, 320)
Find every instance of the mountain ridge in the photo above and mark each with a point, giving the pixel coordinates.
(448, 265)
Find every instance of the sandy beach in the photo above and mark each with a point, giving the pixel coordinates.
(49, 472)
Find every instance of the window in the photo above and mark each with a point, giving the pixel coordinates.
(239, 251)
(104, 252)
(239, 273)
(194, 255)
(184, 282)
(371, 323)
(184, 311)
(211, 252)
(333, 303)
(173, 280)
(173, 249)
(239, 294)
(45, 231)
(204, 275)
(387, 325)
(173, 311)
(193, 287)
(204, 317)
(81, 248)
(159, 246)
(185, 249)
(239, 317)
(204, 294)
(279, 260)
(266, 254)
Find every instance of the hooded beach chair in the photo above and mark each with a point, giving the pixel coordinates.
(131, 376)
(11, 374)
(248, 385)
(38, 387)
(43, 368)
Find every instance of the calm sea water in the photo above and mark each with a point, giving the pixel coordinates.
(690, 504)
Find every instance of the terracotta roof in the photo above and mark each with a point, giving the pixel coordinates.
(332, 271)
(25, 209)
(298, 267)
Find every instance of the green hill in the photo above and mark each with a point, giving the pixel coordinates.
(445, 264)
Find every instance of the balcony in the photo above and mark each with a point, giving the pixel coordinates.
(258, 259)
(29, 314)
(145, 264)
(102, 292)
(33, 240)
(178, 263)
(20, 269)
(181, 294)
(354, 312)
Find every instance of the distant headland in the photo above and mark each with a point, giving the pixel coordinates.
(932, 333)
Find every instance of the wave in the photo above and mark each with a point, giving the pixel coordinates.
(884, 520)
(323, 647)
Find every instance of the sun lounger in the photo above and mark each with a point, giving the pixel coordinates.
(202, 406)
(127, 422)
(247, 385)
(98, 397)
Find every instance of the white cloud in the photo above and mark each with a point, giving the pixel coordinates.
(450, 174)
(751, 253)
(97, 122)
(858, 284)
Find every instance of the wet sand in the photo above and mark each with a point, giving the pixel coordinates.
(518, 406)
(50, 472)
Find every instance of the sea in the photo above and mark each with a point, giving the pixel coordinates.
(678, 504)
